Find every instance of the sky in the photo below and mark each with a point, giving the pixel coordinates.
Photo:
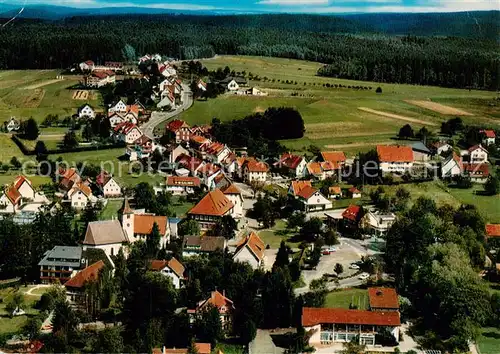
(293, 6)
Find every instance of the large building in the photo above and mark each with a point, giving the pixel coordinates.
(106, 235)
(395, 158)
(211, 209)
(59, 264)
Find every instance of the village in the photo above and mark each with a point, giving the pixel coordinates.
(249, 208)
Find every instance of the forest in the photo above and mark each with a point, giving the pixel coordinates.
(349, 49)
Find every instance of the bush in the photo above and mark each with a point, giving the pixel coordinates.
(378, 90)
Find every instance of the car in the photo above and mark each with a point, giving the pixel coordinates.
(364, 276)
(354, 266)
(325, 252)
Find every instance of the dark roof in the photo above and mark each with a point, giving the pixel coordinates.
(239, 80)
(420, 147)
(65, 256)
(204, 244)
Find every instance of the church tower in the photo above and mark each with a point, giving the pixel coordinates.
(128, 220)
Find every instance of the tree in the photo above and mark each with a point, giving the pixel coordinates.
(331, 237)
(145, 196)
(282, 256)
(64, 320)
(153, 242)
(208, 326)
(492, 185)
(189, 228)
(406, 132)
(129, 54)
(40, 148)
(311, 229)
(32, 327)
(16, 303)
(264, 212)
(70, 141)
(339, 269)
(296, 220)
(378, 90)
(30, 129)
(226, 227)
(109, 340)
(192, 348)
(277, 298)
(15, 162)
(353, 348)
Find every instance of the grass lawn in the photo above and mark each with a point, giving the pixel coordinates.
(276, 234)
(180, 209)
(9, 149)
(111, 210)
(227, 348)
(343, 298)
(11, 325)
(489, 341)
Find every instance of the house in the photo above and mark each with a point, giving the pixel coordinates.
(297, 186)
(142, 148)
(182, 185)
(86, 111)
(452, 166)
(294, 165)
(115, 118)
(379, 222)
(332, 325)
(322, 170)
(127, 132)
(251, 250)
(255, 171)
(234, 195)
(59, 264)
(198, 141)
(10, 201)
(172, 269)
(107, 235)
(441, 147)
(336, 157)
(492, 231)
(196, 245)
(99, 79)
(216, 152)
(88, 65)
(167, 98)
(383, 299)
(118, 106)
(12, 125)
(191, 163)
(395, 158)
(352, 216)
(21, 195)
(138, 225)
(211, 209)
(221, 181)
(201, 348)
(173, 224)
(254, 91)
(80, 195)
(335, 192)
(224, 305)
(173, 152)
(202, 85)
(354, 193)
(313, 199)
(421, 152)
(478, 154)
(233, 83)
(478, 173)
(108, 185)
(76, 286)
(489, 137)
(67, 178)
(180, 129)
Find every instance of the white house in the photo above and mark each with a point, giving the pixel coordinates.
(12, 125)
(489, 137)
(378, 221)
(452, 166)
(138, 225)
(234, 195)
(118, 106)
(441, 147)
(182, 185)
(478, 154)
(255, 171)
(175, 152)
(86, 111)
(395, 158)
(21, 194)
(251, 250)
(296, 165)
(216, 152)
(88, 65)
(127, 132)
(233, 86)
(80, 195)
(106, 235)
(313, 199)
(172, 269)
(108, 185)
(202, 85)
(10, 201)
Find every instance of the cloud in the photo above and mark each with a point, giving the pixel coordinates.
(293, 2)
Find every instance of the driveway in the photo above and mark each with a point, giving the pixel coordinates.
(159, 117)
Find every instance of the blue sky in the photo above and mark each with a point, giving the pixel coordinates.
(298, 6)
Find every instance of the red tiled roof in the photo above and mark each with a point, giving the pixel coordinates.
(256, 166)
(215, 203)
(314, 168)
(493, 230)
(209, 169)
(88, 274)
(297, 186)
(13, 194)
(289, 160)
(254, 243)
(475, 147)
(199, 139)
(214, 148)
(176, 124)
(353, 213)
(173, 264)
(183, 181)
(231, 189)
(329, 166)
(333, 156)
(394, 153)
(489, 133)
(335, 190)
(20, 180)
(383, 298)
(89, 62)
(307, 192)
(314, 316)
(143, 224)
(190, 162)
(84, 188)
(354, 190)
(218, 300)
(125, 127)
(477, 169)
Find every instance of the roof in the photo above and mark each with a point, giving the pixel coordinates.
(394, 153)
(314, 168)
(216, 299)
(18, 182)
(477, 169)
(176, 124)
(125, 127)
(254, 244)
(214, 148)
(183, 181)
(314, 316)
(457, 159)
(297, 186)
(353, 213)
(143, 224)
(489, 133)
(103, 178)
(200, 140)
(354, 190)
(68, 256)
(13, 194)
(335, 190)
(289, 160)
(307, 192)
(173, 264)
(475, 147)
(420, 147)
(215, 203)
(104, 232)
(91, 273)
(126, 209)
(333, 156)
(493, 230)
(383, 298)
(83, 188)
(190, 162)
(231, 189)
(329, 165)
(205, 243)
(256, 166)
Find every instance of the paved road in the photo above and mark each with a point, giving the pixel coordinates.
(160, 117)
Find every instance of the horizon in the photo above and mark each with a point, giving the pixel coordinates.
(276, 6)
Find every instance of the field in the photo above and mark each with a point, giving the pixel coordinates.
(346, 118)
(343, 298)
(36, 93)
(489, 341)
(276, 234)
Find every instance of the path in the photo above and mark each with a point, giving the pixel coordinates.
(263, 344)
(371, 143)
(160, 117)
(39, 286)
(397, 116)
(42, 84)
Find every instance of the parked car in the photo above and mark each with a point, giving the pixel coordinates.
(354, 266)
(364, 276)
(328, 251)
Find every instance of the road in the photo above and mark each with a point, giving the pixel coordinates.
(159, 117)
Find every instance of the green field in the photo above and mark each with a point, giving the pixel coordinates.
(332, 115)
(343, 298)
(276, 234)
(489, 341)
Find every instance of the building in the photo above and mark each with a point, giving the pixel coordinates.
(421, 152)
(99, 79)
(67, 178)
(331, 325)
(294, 165)
(196, 245)
(76, 286)
(180, 129)
(59, 264)
(86, 111)
(224, 305)
(233, 83)
(80, 195)
(107, 235)
(234, 195)
(251, 250)
(322, 170)
(335, 192)
(492, 231)
(297, 186)
(352, 216)
(478, 154)
(441, 147)
(478, 173)
(379, 222)
(313, 200)
(127, 132)
(118, 106)
(383, 299)
(354, 193)
(21, 196)
(87, 66)
(142, 148)
(12, 125)
(202, 85)
(171, 268)
(173, 223)
(216, 152)
(489, 137)
(211, 209)
(173, 152)
(336, 157)
(395, 158)
(138, 225)
(452, 166)
(182, 185)
(108, 185)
